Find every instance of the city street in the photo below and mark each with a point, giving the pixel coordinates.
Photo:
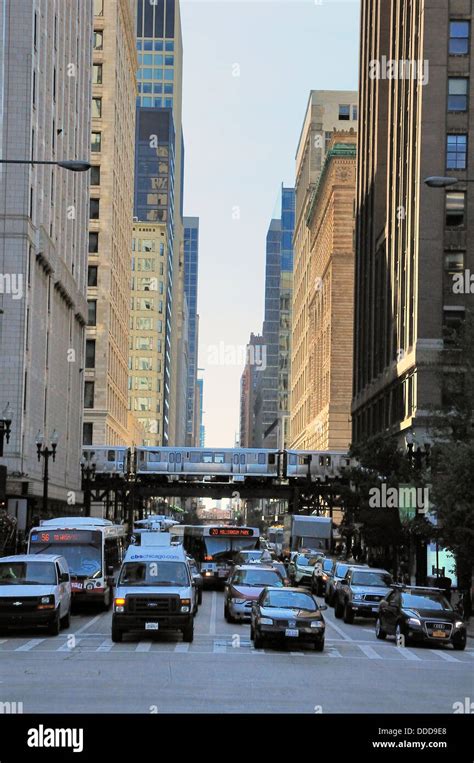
(221, 672)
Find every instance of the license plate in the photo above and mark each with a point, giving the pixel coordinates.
(292, 632)
(151, 626)
(439, 634)
(76, 586)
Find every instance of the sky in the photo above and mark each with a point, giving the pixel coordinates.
(249, 67)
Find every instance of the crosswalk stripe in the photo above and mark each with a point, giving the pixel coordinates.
(369, 652)
(182, 648)
(407, 654)
(143, 646)
(30, 645)
(333, 653)
(106, 646)
(445, 656)
(297, 654)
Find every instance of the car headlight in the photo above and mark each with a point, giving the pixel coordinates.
(414, 622)
(358, 596)
(317, 624)
(185, 605)
(47, 599)
(266, 621)
(458, 624)
(235, 600)
(119, 604)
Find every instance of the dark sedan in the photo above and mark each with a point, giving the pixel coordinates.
(287, 615)
(415, 614)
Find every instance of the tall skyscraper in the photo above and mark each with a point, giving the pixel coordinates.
(248, 390)
(191, 262)
(159, 176)
(45, 106)
(327, 110)
(200, 428)
(272, 396)
(411, 239)
(110, 226)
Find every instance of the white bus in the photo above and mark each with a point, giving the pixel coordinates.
(214, 547)
(93, 549)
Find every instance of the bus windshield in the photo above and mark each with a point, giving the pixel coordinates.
(82, 549)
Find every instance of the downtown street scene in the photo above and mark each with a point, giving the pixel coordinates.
(236, 371)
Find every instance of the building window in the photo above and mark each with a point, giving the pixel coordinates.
(87, 433)
(96, 142)
(89, 394)
(93, 242)
(456, 152)
(354, 113)
(92, 275)
(98, 40)
(169, 60)
(453, 262)
(453, 321)
(344, 111)
(455, 209)
(98, 7)
(90, 353)
(169, 45)
(457, 93)
(91, 312)
(169, 74)
(148, 245)
(459, 38)
(96, 108)
(97, 74)
(94, 209)
(95, 174)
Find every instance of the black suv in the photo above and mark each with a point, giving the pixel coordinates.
(420, 614)
(360, 592)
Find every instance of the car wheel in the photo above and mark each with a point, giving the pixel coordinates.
(107, 603)
(66, 621)
(338, 609)
(200, 596)
(348, 614)
(252, 632)
(379, 631)
(319, 645)
(257, 641)
(117, 634)
(227, 615)
(55, 625)
(188, 633)
(459, 646)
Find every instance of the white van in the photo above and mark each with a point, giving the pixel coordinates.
(35, 591)
(155, 590)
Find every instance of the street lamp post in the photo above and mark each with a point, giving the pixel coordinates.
(88, 469)
(73, 165)
(43, 451)
(5, 426)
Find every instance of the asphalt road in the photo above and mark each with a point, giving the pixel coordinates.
(221, 672)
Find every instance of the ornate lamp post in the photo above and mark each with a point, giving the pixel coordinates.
(45, 452)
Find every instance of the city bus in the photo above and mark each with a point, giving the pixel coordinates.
(214, 547)
(93, 549)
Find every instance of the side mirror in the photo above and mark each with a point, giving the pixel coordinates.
(64, 577)
(322, 607)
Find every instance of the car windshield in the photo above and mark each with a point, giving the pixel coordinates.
(257, 577)
(369, 578)
(281, 569)
(307, 561)
(327, 565)
(154, 574)
(27, 573)
(433, 601)
(341, 570)
(289, 600)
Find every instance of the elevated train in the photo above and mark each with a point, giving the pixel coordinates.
(234, 465)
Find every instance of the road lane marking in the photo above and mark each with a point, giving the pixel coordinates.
(339, 630)
(87, 625)
(212, 624)
(297, 654)
(143, 646)
(219, 648)
(106, 646)
(369, 652)
(333, 653)
(407, 654)
(444, 656)
(182, 648)
(30, 645)
(3, 641)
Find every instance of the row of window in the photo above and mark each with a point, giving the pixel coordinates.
(157, 103)
(345, 111)
(147, 245)
(152, 73)
(158, 88)
(160, 45)
(155, 59)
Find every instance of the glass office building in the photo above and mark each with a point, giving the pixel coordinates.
(191, 256)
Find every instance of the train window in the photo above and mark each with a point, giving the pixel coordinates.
(328, 461)
(111, 455)
(321, 460)
(178, 458)
(271, 458)
(261, 458)
(154, 457)
(242, 458)
(195, 458)
(236, 458)
(292, 459)
(219, 458)
(207, 458)
(171, 458)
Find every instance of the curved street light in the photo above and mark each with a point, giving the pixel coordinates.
(73, 165)
(439, 181)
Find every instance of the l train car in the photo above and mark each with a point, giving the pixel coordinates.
(320, 465)
(222, 464)
(106, 459)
